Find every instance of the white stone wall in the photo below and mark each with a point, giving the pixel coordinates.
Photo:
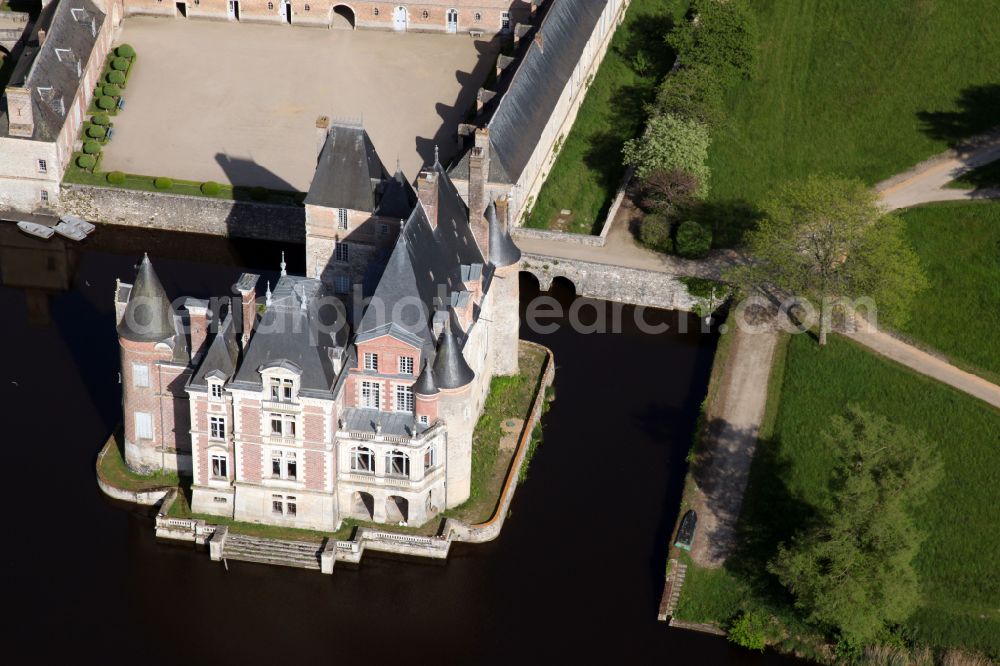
(314, 511)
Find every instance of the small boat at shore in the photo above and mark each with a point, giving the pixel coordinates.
(79, 223)
(70, 231)
(36, 230)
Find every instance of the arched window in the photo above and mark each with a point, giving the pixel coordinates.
(397, 463)
(424, 14)
(477, 17)
(452, 20)
(270, 5)
(375, 11)
(362, 459)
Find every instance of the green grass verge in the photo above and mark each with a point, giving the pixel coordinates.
(509, 397)
(789, 477)
(112, 469)
(864, 89)
(959, 247)
(588, 167)
(983, 177)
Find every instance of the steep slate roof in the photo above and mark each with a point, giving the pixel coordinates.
(349, 174)
(295, 337)
(222, 355)
(424, 262)
(148, 316)
(503, 251)
(524, 110)
(50, 69)
(450, 369)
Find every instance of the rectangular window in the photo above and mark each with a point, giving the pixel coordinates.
(430, 458)
(342, 284)
(143, 425)
(217, 391)
(505, 21)
(44, 196)
(282, 390)
(404, 399)
(216, 427)
(383, 229)
(371, 361)
(276, 465)
(277, 507)
(406, 365)
(276, 428)
(291, 507)
(424, 419)
(140, 375)
(342, 218)
(371, 395)
(220, 465)
(282, 425)
(291, 467)
(341, 252)
(43, 166)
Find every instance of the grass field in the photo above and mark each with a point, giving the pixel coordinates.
(863, 89)
(588, 169)
(984, 176)
(960, 581)
(959, 247)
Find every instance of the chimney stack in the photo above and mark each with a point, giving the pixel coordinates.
(427, 193)
(479, 174)
(19, 112)
(322, 129)
(246, 287)
(198, 320)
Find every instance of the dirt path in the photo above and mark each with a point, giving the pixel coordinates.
(723, 466)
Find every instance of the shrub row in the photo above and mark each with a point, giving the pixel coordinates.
(714, 47)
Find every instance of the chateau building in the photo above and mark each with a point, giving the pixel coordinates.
(454, 16)
(288, 409)
(57, 64)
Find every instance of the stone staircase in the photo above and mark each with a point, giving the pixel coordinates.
(299, 554)
(672, 590)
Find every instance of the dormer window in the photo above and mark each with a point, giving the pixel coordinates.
(215, 390)
(371, 361)
(282, 390)
(406, 365)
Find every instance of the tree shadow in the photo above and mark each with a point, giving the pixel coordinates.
(644, 47)
(730, 221)
(977, 113)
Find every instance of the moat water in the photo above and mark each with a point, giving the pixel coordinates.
(575, 576)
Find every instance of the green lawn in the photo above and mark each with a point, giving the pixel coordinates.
(112, 469)
(957, 563)
(588, 168)
(959, 247)
(859, 88)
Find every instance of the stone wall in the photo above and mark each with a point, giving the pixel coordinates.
(613, 283)
(176, 212)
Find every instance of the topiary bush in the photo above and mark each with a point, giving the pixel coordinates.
(96, 132)
(749, 631)
(91, 147)
(162, 183)
(210, 188)
(111, 90)
(654, 232)
(120, 64)
(115, 77)
(86, 161)
(125, 51)
(101, 119)
(116, 178)
(693, 240)
(106, 103)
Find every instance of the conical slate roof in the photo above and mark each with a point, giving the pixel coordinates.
(148, 316)
(503, 251)
(450, 367)
(425, 384)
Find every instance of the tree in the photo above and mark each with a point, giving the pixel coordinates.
(720, 33)
(671, 142)
(667, 191)
(694, 92)
(853, 570)
(825, 238)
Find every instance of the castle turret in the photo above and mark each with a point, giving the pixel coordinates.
(506, 259)
(426, 392)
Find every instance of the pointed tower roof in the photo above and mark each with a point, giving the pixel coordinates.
(450, 367)
(503, 251)
(398, 197)
(148, 316)
(425, 384)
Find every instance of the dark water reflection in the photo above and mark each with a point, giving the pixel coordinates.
(576, 575)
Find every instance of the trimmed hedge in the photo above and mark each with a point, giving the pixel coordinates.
(106, 103)
(96, 132)
(125, 51)
(116, 178)
(115, 77)
(91, 147)
(111, 90)
(654, 232)
(120, 64)
(86, 161)
(100, 119)
(162, 183)
(693, 240)
(210, 188)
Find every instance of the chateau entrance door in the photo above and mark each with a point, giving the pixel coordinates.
(399, 19)
(234, 9)
(453, 20)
